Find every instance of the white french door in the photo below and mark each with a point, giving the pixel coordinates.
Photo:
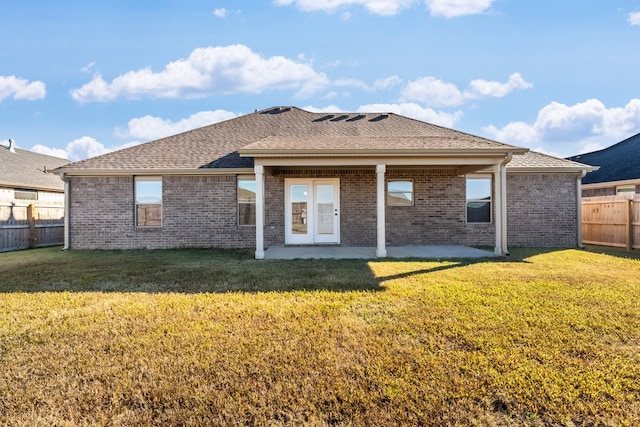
(312, 211)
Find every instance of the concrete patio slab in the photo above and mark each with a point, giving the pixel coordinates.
(338, 252)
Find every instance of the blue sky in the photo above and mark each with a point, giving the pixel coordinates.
(81, 78)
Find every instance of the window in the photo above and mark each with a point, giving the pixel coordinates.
(25, 194)
(400, 193)
(622, 189)
(148, 201)
(479, 199)
(246, 200)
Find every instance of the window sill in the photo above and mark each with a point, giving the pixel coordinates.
(149, 228)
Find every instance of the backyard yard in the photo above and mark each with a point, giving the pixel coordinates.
(209, 337)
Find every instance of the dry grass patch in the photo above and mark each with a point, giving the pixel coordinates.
(198, 337)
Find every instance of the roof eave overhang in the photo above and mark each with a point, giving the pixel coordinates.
(6, 184)
(294, 153)
(544, 169)
(150, 172)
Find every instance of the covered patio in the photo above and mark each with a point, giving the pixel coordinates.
(492, 163)
(339, 252)
(312, 169)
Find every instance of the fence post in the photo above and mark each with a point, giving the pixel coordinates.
(629, 216)
(31, 217)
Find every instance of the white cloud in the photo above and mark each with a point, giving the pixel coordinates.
(55, 152)
(574, 129)
(634, 18)
(223, 13)
(377, 7)
(207, 71)
(352, 83)
(415, 111)
(21, 88)
(379, 84)
(78, 149)
(150, 127)
(435, 92)
(87, 68)
(453, 8)
(514, 133)
(331, 95)
(483, 88)
(329, 109)
(387, 83)
(220, 12)
(446, 8)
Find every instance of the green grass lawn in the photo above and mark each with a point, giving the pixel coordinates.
(206, 337)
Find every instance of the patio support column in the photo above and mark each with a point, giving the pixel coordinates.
(497, 179)
(259, 171)
(67, 211)
(381, 250)
(500, 174)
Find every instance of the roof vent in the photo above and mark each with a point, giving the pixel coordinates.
(277, 110)
(322, 119)
(11, 147)
(380, 117)
(337, 119)
(356, 118)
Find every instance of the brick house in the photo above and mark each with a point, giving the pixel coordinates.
(285, 176)
(619, 173)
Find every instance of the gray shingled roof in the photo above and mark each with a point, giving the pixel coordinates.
(285, 128)
(25, 169)
(619, 162)
(372, 144)
(535, 160)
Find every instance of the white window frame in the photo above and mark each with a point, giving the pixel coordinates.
(19, 194)
(390, 193)
(626, 189)
(137, 179)
(239, 179)
(468, 200)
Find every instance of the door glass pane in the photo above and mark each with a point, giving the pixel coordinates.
(324, 198)
(299, 210)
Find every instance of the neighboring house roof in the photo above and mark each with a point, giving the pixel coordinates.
(293, 132)
(619, 162)
(25, 169)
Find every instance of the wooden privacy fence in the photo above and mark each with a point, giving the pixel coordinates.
(30, 226)
(611, 221)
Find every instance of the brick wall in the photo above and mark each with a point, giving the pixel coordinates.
(541, 210)
(198, 211)
(596, 192)
(201, 211)
(605, 191)
(438, 215)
